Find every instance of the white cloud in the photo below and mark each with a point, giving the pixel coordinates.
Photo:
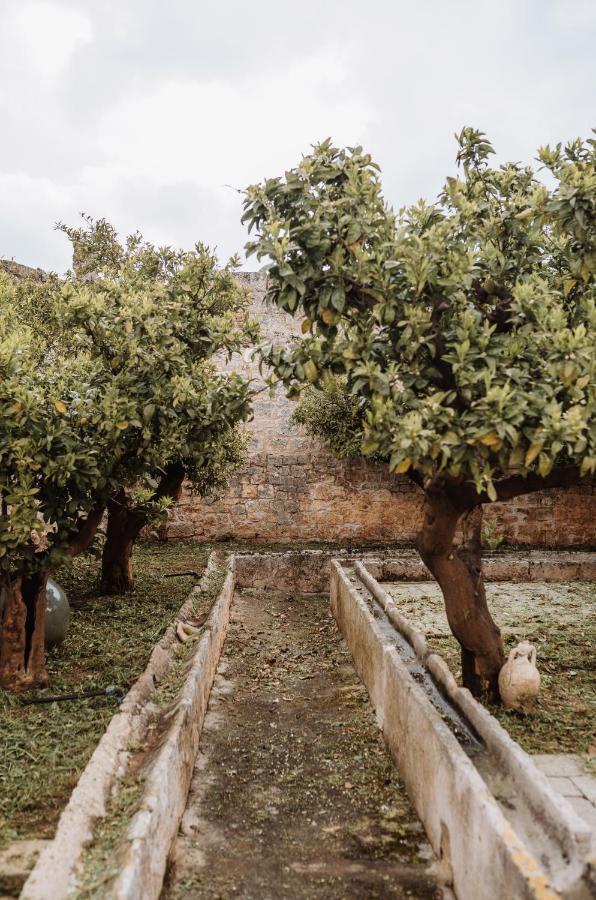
(215, 133)
(145, 113)
(41, 37)
(573, 14)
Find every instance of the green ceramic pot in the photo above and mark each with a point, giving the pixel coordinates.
(57, 614)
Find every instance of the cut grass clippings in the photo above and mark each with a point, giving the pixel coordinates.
(44, 749)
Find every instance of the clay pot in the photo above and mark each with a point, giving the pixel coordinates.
(519, 679)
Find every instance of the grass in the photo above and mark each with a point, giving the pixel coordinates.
(560, 619)
(43, 749)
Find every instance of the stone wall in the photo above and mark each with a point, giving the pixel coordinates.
(20, 272)
(292, 489)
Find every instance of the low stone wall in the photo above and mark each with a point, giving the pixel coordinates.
(308, 571)
(292, 489)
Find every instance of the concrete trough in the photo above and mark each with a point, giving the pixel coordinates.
(453, 756)
(54, 876)
(527, 844)
(155, 825)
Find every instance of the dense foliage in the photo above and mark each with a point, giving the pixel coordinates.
(466, 324)
(153, 320)
(52, 455)
(111, 396)
(332, 414)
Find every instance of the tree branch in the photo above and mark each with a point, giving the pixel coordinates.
(83, 537)
(465, 495)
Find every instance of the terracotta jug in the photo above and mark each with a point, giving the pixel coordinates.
(519, 679)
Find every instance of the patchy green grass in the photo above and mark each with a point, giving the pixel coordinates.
(560, 619)
(43, 749)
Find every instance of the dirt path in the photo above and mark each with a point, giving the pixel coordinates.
(294, 794)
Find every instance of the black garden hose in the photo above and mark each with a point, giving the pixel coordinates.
(113, 690)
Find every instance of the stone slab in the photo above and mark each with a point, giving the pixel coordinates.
(587, 785)
(585, 809)
(565, 787)
(558, 765)
(567, 774)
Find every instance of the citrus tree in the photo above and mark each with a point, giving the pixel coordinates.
(156, 322)
(461, 332)
(55, 434)
(110, 396)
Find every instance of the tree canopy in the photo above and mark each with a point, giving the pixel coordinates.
(155, 320)
(464, 325)
(111, 396)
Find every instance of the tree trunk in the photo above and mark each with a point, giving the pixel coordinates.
(116, 563)
(125, 523)
(459, 575)
(22, 647)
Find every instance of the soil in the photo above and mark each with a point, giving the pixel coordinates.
(294, 794)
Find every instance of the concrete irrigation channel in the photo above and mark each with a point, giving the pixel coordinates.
(315, 748)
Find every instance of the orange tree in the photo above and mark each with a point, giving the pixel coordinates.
(55, 471)
(459, 334)
(109, 398)
(154, 320)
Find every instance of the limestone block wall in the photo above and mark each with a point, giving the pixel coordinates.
(292, 489)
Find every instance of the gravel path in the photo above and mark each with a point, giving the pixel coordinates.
(294, 794)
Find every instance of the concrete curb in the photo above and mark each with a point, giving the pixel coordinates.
(571, 837)
(523, 565)
(155, 825)
(53, 876)
(463, 821)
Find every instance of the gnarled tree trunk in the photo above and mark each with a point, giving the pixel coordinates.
(124, 526)
(22, 647)
(458, 572)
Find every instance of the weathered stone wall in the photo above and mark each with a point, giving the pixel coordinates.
(20, 272)
(293, 490)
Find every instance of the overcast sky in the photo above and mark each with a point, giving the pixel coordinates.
(149, 112)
